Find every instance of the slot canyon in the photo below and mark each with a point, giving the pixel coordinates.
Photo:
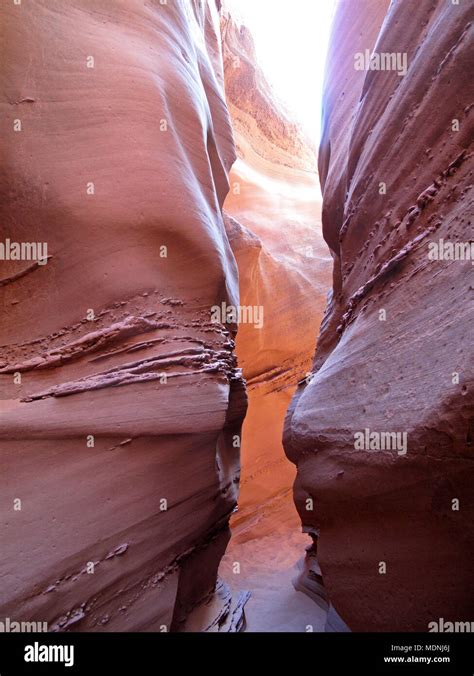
(166, 471)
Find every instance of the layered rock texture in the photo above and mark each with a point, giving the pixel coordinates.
(393, 530)
(120, 398)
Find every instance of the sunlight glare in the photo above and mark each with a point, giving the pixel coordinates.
(291, 39)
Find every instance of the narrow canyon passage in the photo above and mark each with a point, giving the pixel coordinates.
(273, 219)
(266, 531)
(208, 322)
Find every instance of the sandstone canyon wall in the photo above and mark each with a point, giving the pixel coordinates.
(393, 532)
(121, 400)
(119, 397)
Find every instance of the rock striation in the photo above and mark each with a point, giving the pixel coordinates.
(120, 397)
(392, 528)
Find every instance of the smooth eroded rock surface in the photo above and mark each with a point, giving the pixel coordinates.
(395, 350)
(119, 396)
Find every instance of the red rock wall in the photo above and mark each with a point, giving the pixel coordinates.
(128, 395)
(399, 374)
